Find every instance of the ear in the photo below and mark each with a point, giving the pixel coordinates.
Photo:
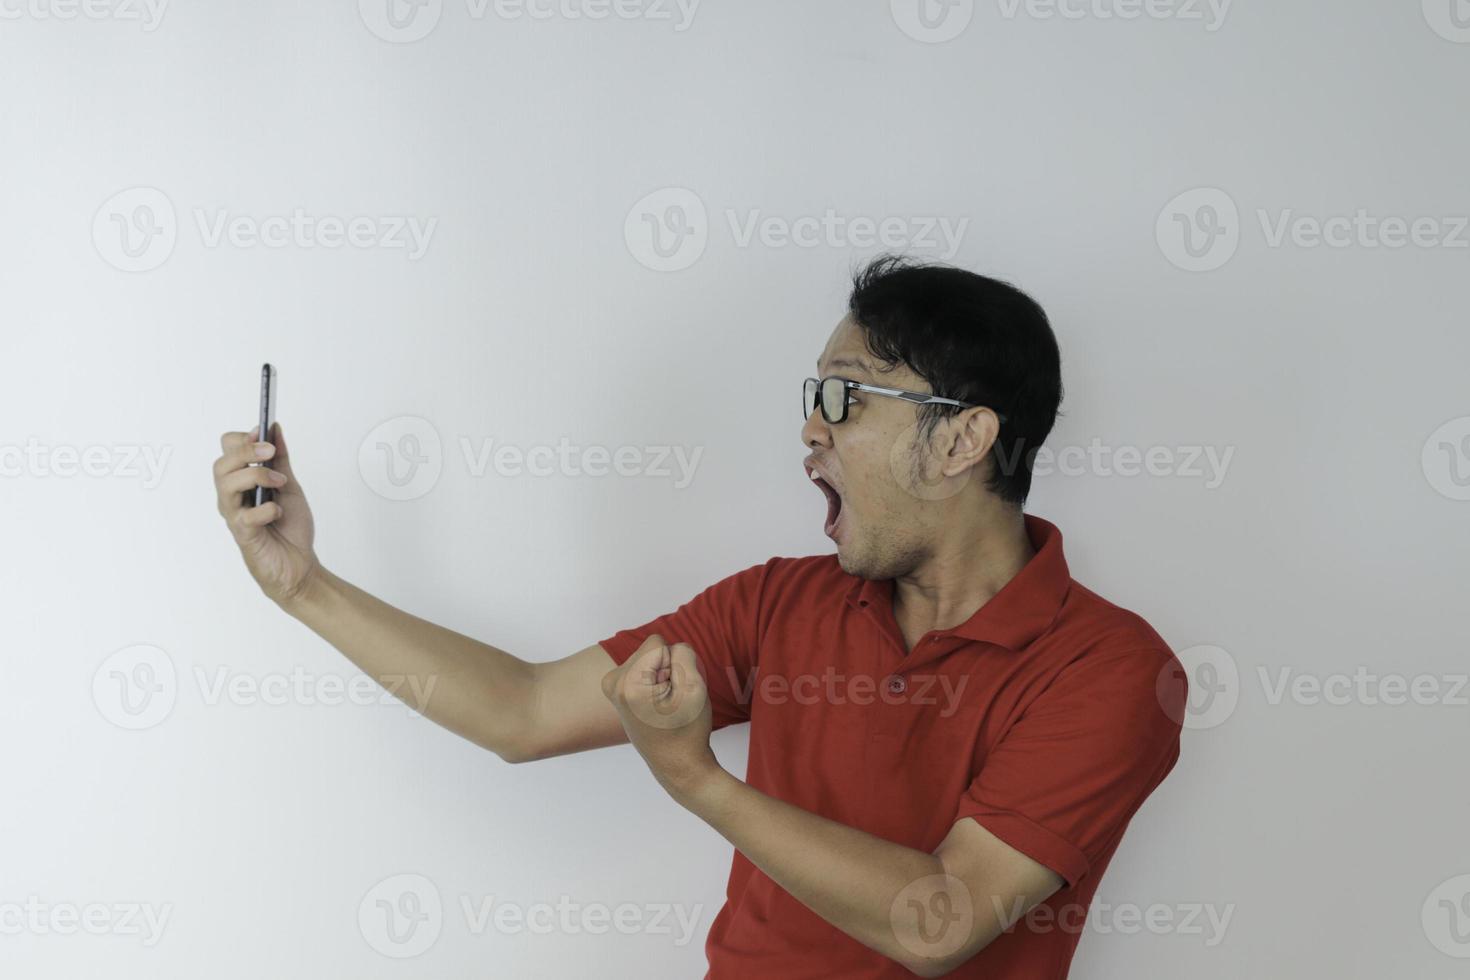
(967, 439)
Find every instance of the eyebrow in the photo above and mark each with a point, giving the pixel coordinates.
(849, 362)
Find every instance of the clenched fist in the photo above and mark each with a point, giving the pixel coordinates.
(660, 695)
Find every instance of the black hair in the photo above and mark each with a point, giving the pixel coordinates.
(971, 338)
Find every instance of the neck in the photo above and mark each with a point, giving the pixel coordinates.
(967, 568)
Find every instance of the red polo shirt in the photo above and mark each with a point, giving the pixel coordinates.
(1048, 717)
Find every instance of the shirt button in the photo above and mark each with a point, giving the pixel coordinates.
(897, 685)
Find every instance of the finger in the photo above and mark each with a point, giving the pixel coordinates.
(648, 660)
(613, 680)
(680, 698)
(654, 677)
(684, 661)
(241, 452)
(231, 440)
(684, 665)
(650, 646)
(249, 519)
(232, 485)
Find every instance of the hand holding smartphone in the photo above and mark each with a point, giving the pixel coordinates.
(256, 496)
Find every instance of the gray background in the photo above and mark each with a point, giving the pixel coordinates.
(1077, 149)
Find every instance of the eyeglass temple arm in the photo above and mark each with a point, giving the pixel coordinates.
(916, 397)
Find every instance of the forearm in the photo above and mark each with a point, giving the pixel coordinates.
(848, 877)
(471, 688)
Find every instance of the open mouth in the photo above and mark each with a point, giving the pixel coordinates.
(834, 502)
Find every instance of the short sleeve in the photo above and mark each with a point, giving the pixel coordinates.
(722, 624)
(1063, 783)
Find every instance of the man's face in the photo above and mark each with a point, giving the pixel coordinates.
(872, 465)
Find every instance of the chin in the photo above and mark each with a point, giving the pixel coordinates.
(878, 564)
(852, 563)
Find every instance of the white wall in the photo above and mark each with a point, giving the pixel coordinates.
(1335, 541)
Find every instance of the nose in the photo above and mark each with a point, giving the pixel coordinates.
(816, 432)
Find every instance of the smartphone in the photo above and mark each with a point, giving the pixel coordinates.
(256, 496)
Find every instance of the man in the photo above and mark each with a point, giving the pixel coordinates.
(948, 735)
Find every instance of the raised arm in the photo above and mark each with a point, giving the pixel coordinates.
(518, 710)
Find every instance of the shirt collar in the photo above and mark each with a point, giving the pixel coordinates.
(1016, 615)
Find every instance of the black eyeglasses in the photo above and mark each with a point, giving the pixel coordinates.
(832, 395)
